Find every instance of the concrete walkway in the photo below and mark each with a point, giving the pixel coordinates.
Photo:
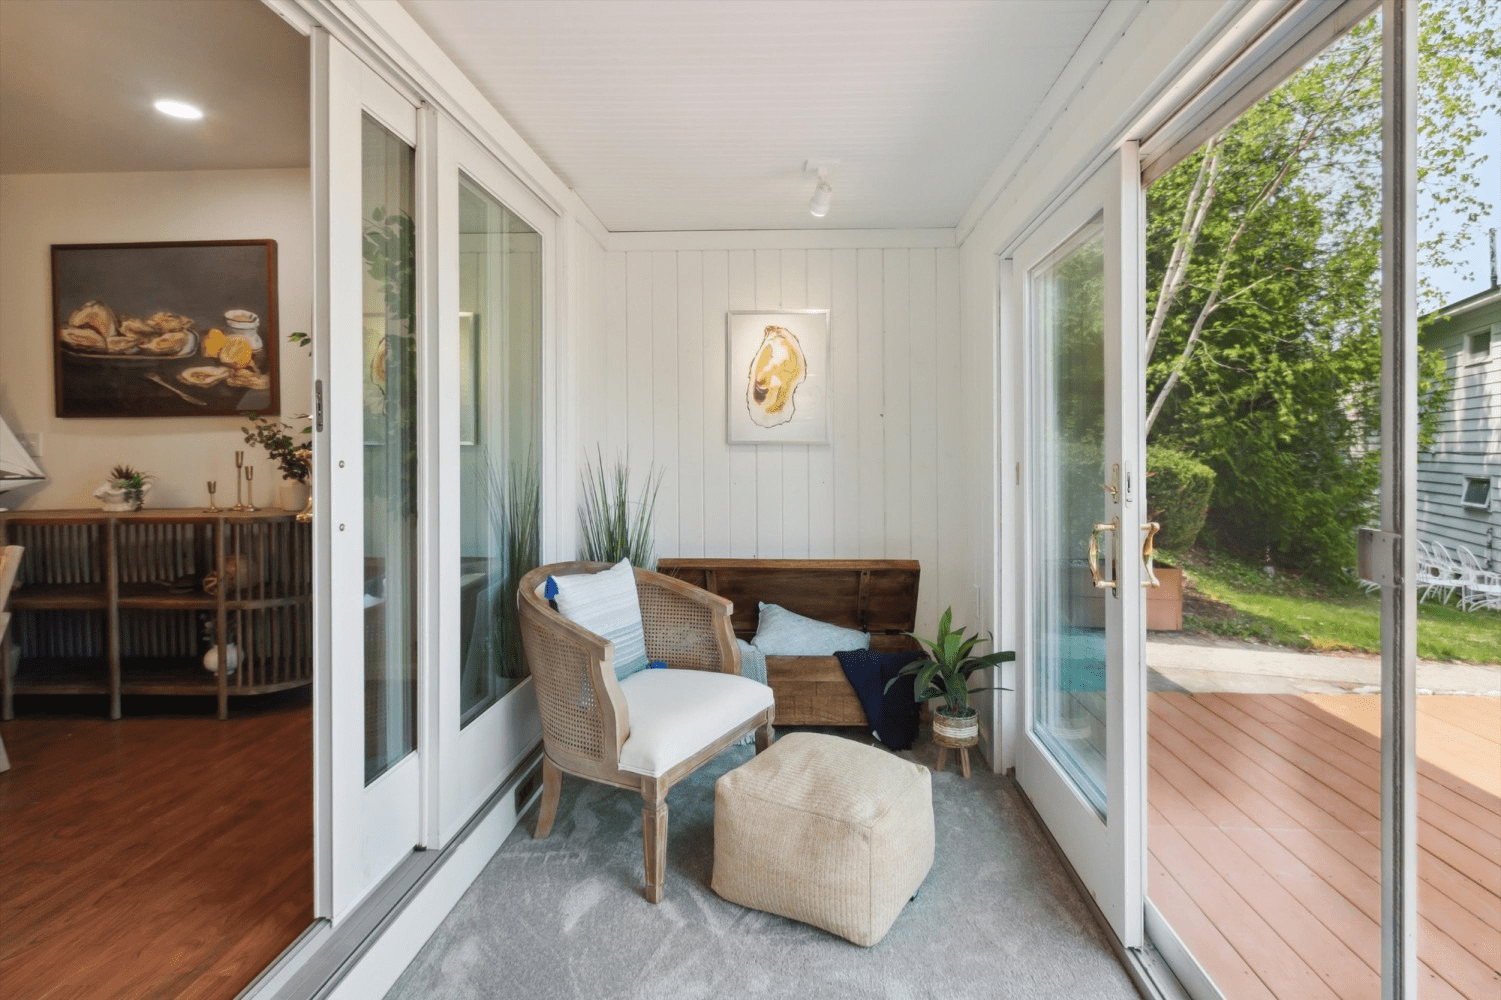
(1199, 664)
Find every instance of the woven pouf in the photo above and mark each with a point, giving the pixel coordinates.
(826, 831)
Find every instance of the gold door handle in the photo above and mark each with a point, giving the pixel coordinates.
(1111, 487)
(1094, 553)
(1148, 549)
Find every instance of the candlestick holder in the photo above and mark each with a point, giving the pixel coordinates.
(250, 489)
(212, 508)
(239, 463)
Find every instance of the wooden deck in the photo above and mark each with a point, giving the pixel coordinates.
(153, 857)
(1265, 842)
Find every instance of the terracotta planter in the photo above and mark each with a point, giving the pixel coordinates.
(1165, 603)
(956, 730)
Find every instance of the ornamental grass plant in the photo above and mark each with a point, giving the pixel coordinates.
(612, 525)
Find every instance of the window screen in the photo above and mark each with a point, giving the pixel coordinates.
(1477, 493)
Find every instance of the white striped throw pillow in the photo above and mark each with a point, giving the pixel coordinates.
(605, 603)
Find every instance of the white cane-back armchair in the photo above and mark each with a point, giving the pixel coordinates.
(657, 726)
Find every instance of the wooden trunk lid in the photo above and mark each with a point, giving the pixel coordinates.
(878, 596)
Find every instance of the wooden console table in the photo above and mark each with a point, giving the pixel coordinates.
(118, 604)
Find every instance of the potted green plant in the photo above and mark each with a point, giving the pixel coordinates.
(291, 455)
(945, 674)
(124, 489)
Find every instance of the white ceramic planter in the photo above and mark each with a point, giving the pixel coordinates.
(113, 499)
(292, 494)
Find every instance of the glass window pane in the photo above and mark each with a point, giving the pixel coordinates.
(1068, 628)
(500, 339)
(390, 409)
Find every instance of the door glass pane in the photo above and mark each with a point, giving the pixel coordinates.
(1068, 448)
(390, 411)
(500, 340)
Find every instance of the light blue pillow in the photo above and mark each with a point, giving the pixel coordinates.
(605, 603)
(783, 633)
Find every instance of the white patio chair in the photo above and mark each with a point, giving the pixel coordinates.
(1481, 586)
(1431, 572)
(1440, 572)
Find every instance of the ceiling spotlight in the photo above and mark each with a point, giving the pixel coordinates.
(178, 109)
(823, 194)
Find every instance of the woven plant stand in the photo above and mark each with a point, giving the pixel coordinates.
(955, 733)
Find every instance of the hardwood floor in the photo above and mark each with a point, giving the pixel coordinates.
(154, 857)
(1265, 842)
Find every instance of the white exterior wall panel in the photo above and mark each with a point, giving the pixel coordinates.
(1467, 444)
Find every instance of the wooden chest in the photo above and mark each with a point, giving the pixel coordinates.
(878, 596)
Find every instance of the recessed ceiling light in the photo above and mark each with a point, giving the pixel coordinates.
(177, 109)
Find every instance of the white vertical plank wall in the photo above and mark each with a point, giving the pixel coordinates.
(884, 487)
(770, 499)
(689, 294)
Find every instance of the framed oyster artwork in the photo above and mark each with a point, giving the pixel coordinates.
(778, 377)
(183, 329)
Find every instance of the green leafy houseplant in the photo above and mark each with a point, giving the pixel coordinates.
(612, 525)
(274, 437)
(946, 673)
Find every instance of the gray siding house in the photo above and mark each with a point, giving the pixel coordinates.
(1459, 478)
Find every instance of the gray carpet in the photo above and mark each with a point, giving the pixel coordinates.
(564, 917)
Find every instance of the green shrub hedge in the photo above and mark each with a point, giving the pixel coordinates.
(1178, 491)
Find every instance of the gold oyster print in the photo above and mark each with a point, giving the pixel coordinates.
(776, 371)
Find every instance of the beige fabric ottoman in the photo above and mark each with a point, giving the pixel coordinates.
(824, 830)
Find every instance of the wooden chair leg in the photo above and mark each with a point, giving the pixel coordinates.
(552, 790)
(765, 736)
(654, 838)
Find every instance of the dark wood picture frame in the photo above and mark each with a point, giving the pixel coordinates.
(170, 306)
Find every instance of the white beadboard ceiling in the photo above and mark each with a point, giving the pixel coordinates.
(78, 79)
(662, 114)
(699, 114)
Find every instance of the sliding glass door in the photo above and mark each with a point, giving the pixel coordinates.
(494, 294)
(430, 450)
(371, 456)
(1076, 281)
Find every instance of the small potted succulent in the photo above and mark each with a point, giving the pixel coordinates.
(125, 489)
(945, 674)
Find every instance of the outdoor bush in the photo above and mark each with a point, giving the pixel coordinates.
(1178, 490)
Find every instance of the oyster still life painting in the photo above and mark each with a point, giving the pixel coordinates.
(778, 391)
(165, 329)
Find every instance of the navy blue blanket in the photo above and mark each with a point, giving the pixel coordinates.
(892, 714)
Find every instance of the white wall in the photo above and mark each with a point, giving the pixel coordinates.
(182, 453)
(653, 386)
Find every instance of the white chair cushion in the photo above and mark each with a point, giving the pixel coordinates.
(676, 713)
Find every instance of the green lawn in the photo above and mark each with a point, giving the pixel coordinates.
(1231, 598)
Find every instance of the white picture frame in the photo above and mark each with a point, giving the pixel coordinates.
(777, 376)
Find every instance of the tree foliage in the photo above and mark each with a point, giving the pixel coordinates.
(1263, 279)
